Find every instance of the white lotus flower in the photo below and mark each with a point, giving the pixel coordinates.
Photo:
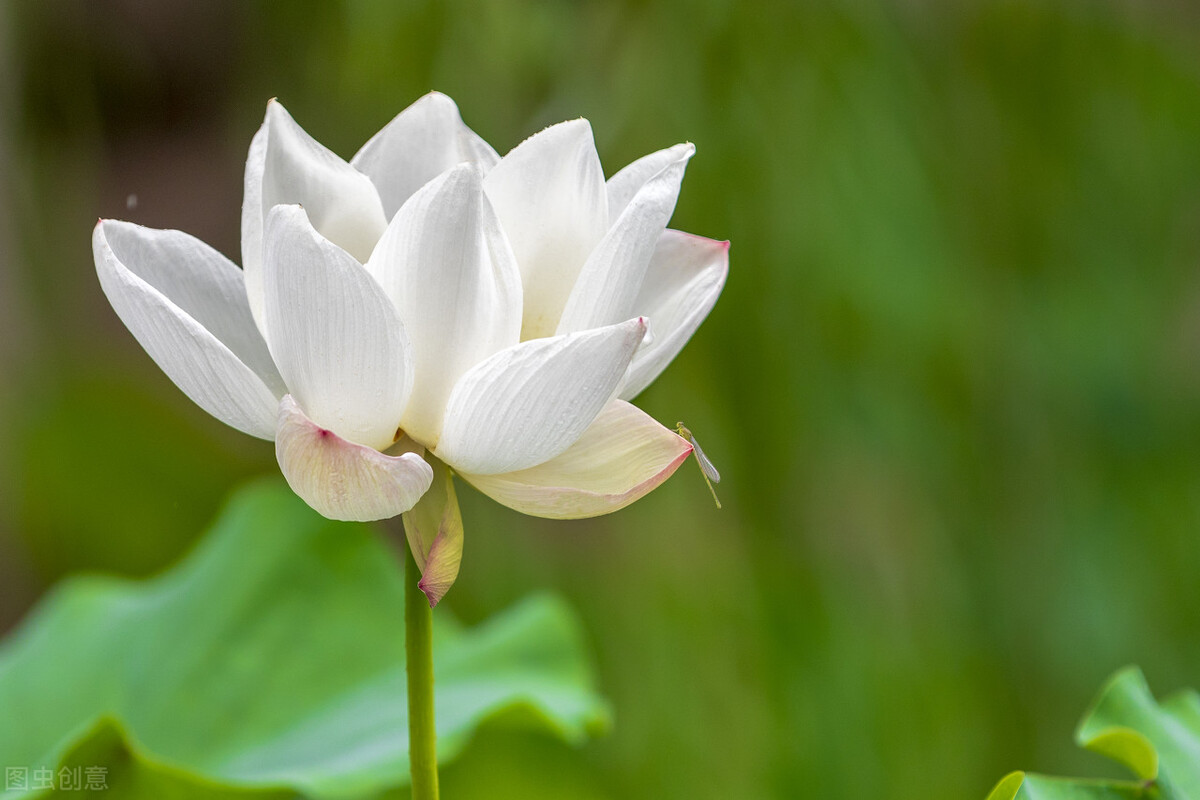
(383, 330)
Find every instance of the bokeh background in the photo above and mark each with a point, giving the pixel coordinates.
(953, 383)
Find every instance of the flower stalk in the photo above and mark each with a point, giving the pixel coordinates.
(422, 731)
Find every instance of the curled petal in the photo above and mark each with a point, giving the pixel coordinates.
(549, 195)
(342, 480)
(434, 530)
(622, 187)
(685, 278)
(614, 272)
(422, 141)
(447, 267)
(287, 166)
(530, 402)
(619, 459)
(334, 333)
(201, 362)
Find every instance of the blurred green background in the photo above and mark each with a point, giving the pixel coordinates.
(953, 383)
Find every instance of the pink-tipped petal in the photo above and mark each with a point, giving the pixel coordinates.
(685, 278)
(434, 530)
(620, 457)
(342, 480)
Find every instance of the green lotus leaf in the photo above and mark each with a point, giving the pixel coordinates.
(269, 663)
(1159, 742)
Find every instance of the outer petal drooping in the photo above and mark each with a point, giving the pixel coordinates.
(182, 301)
(530, 402)
(620, 457)
(421, 142)
(342, 480)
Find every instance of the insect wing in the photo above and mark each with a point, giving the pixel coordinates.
(706, 466)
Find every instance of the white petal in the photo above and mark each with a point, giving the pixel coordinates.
(530, 402)
(618, 459)
(448, 268)
(285, 166)
(422, 141)
(625, 184)
(685, 277)
(199, 363)
(334, 334)
(549, 195)
(204, 284)
(613, 274)
(342, 480)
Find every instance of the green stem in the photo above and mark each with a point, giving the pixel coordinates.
(418, 638)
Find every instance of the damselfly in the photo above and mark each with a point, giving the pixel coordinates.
(710, 473)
